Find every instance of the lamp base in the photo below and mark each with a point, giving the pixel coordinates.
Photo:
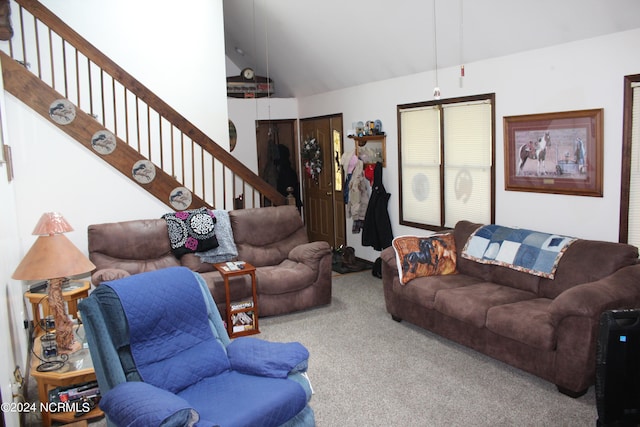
(64, 327)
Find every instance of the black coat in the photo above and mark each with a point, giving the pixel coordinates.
(376, 231)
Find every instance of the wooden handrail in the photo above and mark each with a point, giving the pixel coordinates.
(142, 92)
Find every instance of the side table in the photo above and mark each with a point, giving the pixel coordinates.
(242, 316)
(77, 369)
(71, 293)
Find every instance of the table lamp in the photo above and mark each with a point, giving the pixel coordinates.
(53, 257)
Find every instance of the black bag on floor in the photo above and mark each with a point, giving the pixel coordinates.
(377, 268)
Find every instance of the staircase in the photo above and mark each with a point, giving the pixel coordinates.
(66, 80)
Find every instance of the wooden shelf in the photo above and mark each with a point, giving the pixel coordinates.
(373, 146)
(366, 138)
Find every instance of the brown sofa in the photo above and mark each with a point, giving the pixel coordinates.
(292, 273)
(547, 327)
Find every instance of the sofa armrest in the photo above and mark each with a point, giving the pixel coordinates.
(310, 253)
(616, 291)
(141, 404)
(254, 356)
(388, 257)
(108, 274)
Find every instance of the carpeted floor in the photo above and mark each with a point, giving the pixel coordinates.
(368, 370)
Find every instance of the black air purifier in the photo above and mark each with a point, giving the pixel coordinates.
(618, 368)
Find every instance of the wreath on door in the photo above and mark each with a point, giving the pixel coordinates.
(312, 156)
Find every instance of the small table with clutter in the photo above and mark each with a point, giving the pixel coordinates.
(72, 292)
(65, 381)
(242, 316)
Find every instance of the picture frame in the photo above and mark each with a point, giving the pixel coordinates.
(559, 153)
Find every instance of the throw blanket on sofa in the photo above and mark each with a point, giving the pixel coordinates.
(191, 231)
(523, 250)
(226, 250)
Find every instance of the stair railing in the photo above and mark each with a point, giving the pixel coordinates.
(73, 67)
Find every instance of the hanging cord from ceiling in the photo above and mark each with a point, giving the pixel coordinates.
(255, 55)
(461, 43)
(436, 90)
(266, 49)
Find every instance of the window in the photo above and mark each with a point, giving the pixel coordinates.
(630, 188)
(447, 154)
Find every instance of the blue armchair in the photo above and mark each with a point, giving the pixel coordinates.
(163, 357)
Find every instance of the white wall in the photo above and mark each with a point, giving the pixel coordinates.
(582, 75)
(175, 50)
(245, 112)
(13, 337)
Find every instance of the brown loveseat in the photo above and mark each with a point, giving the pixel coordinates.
(292, 273)
(547, 327)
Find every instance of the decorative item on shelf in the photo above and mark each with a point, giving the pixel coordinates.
(249, 85)
(143, 171)
(180, 198)
(312, 156)
(104, 142)
(370, 128)
(62, 111)
(53, 257)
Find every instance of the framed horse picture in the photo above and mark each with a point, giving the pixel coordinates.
(557, 153)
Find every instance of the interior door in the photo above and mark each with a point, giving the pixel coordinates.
(278, 132)
(323, 200)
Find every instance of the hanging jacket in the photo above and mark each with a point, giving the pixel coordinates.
(358, 193)
(377, 224)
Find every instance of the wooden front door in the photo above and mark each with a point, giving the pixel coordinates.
(323, 197)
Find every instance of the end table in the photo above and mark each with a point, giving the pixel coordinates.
(71, 293)
(77, 369)
(242, 316)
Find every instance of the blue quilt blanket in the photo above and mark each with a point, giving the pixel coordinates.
(519, 249)
(171, 341)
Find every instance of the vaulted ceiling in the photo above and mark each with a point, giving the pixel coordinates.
(315, 46)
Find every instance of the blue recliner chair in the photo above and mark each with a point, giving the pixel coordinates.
(163, 357)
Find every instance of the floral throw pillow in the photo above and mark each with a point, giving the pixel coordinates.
(425, 256)
(191, 231)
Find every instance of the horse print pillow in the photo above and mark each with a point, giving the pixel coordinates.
(425, 256)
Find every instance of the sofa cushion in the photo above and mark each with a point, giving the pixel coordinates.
(423, 290)
(265, 236)
(191, 231)
(420, 256)
(470, 303)
(515, 279)
(587, 261)
(194, 263)
(528, 322)
(135, 246)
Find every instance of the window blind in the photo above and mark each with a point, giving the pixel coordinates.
(420, 165)
(633, 237)
(467, 144)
